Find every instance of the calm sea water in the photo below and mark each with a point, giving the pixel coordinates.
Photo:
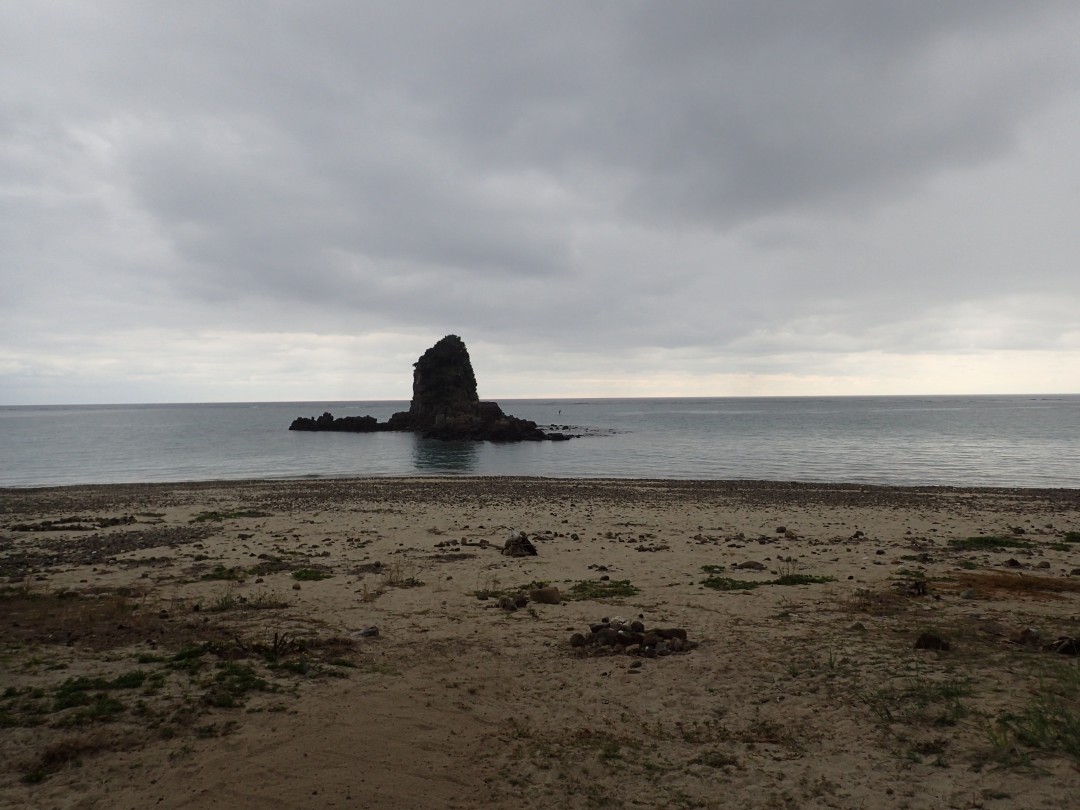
(982, 441)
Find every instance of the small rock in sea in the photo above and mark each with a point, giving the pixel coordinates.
(928, 641)
(858, 627)
(1012, 562)
(781, 529)
(637, 626)
(967, 593)
(636, 665)
(577, 640)
(1075, 572)
(296, 586)
(369, 632)
(1043, 564)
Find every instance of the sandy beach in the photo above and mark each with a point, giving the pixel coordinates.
(367, 643)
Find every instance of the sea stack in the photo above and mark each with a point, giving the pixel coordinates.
(444, 405)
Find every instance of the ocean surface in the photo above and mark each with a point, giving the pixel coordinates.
(1013, 441)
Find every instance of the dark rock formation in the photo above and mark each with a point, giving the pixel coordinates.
(444, 405)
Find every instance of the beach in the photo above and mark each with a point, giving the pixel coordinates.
(367, 643)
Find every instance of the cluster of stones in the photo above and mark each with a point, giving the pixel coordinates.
(547, 595)
(444, 405)
(618, 636)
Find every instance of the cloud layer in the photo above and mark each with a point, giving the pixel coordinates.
(291, 201)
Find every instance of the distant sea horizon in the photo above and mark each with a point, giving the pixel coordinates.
(988, 440)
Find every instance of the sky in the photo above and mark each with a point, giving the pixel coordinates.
(282, 201)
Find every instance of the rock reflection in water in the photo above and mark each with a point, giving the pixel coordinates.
(433, 455)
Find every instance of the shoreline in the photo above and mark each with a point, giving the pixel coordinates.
(211, 642)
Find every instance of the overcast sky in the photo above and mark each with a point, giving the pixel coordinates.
(233, 201)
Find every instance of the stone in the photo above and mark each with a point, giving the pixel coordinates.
(507, 603)
(671, 632)
(548, 595)
(928, 641)
(750, 565)
(577, 640)
(518, 545)
(1066, 645)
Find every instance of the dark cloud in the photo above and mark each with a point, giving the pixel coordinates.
(736, 182)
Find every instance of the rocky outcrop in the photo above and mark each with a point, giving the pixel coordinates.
(444, 405)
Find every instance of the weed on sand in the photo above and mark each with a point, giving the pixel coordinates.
(719, 583)
(219, 517)
(600, 589)
(1049, 722)
(988, 542)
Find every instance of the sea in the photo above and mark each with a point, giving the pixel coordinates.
(985, 441)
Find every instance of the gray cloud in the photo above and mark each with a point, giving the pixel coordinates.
(730, 185)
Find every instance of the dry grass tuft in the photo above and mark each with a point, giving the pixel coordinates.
(1003, 585)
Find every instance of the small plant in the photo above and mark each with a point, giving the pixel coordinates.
(786, 577)
(598, 589)
(218, 517)
(1050, 722)
(220, 572)
(396, 577)
(310, 574)
(231, 684)
(801, 579)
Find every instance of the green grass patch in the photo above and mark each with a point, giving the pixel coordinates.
(598, 589)
(800, 579)
(218, 517)
(310, 574)
(1049, 723)
(231, 684)
(729, 584)
(1071, 537)
(920, 700)
(987, 542)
